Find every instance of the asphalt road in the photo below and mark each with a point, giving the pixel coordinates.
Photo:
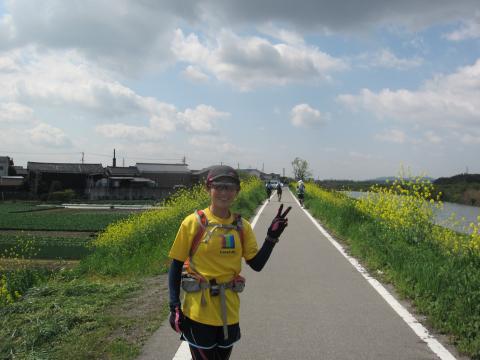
(309, 302)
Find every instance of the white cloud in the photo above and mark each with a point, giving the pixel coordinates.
(393, 136)
(215, 145)
(449, 101)
(15, 113)
(432, 137)
(361, 156)
(193, 73)
(287, 36)
(63, 79)
(248, 62)
(67, 82)
(306, 116)
(126, 37)
(48, 136)
(128, 132)
(386, 59)
(341, 16)
(470, 139)
(469, 30)
(201, 119)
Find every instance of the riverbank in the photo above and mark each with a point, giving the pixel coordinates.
(434, 267)
(463, 189)
(454, 216)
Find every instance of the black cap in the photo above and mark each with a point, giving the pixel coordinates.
(222, 171)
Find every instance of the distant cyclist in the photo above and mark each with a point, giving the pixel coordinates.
(301, 191)
(279, 191)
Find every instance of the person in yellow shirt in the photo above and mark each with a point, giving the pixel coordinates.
(211, 244)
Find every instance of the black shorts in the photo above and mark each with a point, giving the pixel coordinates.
(301, 196)
(207, 336)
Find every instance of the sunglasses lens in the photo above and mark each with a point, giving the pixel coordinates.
(225, 187)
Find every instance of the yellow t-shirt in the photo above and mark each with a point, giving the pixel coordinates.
(219, 257)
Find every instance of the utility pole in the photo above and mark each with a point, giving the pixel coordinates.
(283, 172)
(83, 154)
(114, 159)
(263, 167)
(123, 162)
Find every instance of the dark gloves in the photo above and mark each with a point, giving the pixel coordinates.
(279, 223)
(176, 319)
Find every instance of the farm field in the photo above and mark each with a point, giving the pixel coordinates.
(31, 216)
(41, 231)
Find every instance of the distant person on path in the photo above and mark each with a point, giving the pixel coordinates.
(209, 246)
(301, 192)
(279, 191)
(268, 187)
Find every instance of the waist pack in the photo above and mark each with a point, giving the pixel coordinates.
(192, 284)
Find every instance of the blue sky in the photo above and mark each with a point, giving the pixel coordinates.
(357, 89)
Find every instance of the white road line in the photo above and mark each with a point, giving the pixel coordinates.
(183, 352)
(418, 328)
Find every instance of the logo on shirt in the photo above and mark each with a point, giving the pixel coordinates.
(228, 241)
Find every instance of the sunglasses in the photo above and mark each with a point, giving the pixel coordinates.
(225, 186)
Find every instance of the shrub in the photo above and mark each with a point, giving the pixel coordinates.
(62, 196)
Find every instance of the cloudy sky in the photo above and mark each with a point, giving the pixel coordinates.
(356, 88)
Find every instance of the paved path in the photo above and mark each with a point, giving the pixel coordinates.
(309, 302)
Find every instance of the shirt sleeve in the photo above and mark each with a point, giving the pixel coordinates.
(250, 241)
(183, 241)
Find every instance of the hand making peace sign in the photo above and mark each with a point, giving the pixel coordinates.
(279, 223)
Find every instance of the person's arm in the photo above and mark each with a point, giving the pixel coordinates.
(279, 224)
(174, 279)
(260, 259)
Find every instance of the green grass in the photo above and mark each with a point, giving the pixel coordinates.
(28, 216)
(45, 247)
(52, 321)
(443, 286)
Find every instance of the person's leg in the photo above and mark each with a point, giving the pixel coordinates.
(217, 353)
(223, 353)
(202, 354)
(201, 339)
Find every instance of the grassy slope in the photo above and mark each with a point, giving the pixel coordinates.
(441, 286)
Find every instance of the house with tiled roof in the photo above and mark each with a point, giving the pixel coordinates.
(49, 177)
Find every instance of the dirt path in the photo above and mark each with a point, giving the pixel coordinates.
(145, 309)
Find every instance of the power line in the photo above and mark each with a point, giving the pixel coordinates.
(36, 153)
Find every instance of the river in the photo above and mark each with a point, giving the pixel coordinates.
(465, 214)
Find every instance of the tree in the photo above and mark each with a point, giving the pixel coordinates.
(300, 169)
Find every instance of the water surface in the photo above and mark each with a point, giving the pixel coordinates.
(465, 214)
